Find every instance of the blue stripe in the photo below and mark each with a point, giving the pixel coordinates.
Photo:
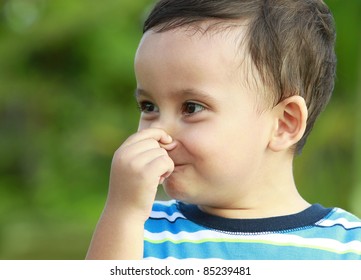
(334, 232)
(165, 208)
(342, 214)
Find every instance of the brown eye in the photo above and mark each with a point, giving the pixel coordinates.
(148, 107)
(190, 108)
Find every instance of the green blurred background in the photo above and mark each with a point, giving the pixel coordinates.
(66, 104)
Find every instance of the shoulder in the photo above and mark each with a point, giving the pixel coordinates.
(341, 218)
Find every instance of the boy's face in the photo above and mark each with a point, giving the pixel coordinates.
(193, 86)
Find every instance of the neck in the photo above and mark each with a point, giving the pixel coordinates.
(259, 210)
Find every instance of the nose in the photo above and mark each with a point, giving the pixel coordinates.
(156, 123)
(165, 124)
(170, 127)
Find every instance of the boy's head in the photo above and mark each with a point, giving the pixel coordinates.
(290, 42)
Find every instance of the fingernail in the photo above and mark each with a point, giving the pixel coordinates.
(161, 180)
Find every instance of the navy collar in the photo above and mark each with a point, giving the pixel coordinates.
(305, 218)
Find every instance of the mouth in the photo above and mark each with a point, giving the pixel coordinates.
(179, 165)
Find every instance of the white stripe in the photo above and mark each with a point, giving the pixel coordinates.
(183, 259)
(277, 239)
(171, 218)
(165, 203)
(341, 221)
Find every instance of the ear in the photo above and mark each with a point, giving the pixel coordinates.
(290, 118)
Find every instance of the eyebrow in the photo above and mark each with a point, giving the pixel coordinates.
(141, 92)
(188, 93)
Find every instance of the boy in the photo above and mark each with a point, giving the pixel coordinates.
(228, 92)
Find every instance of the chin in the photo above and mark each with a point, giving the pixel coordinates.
(176, 190)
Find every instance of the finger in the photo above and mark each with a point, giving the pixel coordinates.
(141, 161)
(161, 166)
(163, 177)
(154, 133)
(133, 150)
(169, 146)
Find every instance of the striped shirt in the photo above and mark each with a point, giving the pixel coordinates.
(181, 231)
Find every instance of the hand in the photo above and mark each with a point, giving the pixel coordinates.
(138, 167)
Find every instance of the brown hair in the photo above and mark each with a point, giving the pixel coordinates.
(291, 43)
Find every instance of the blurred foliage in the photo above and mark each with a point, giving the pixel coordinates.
(66, 104)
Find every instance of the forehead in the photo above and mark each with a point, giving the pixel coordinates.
(206, 43)
(182, 41)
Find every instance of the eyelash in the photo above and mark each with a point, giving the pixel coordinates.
(148, 108)
(142, 106)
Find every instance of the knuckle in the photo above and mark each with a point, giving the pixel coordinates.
(134, 166)
(163, 152)
(121, 156)
(164, 160)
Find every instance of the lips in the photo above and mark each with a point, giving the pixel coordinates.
(177, 162)
(179, 165)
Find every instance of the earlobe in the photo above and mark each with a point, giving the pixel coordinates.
(290, 117)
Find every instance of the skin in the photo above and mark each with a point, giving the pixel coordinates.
(202, 135)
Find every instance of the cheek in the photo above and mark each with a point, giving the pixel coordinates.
(143, 125)
(203, 142)
(222, 145)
